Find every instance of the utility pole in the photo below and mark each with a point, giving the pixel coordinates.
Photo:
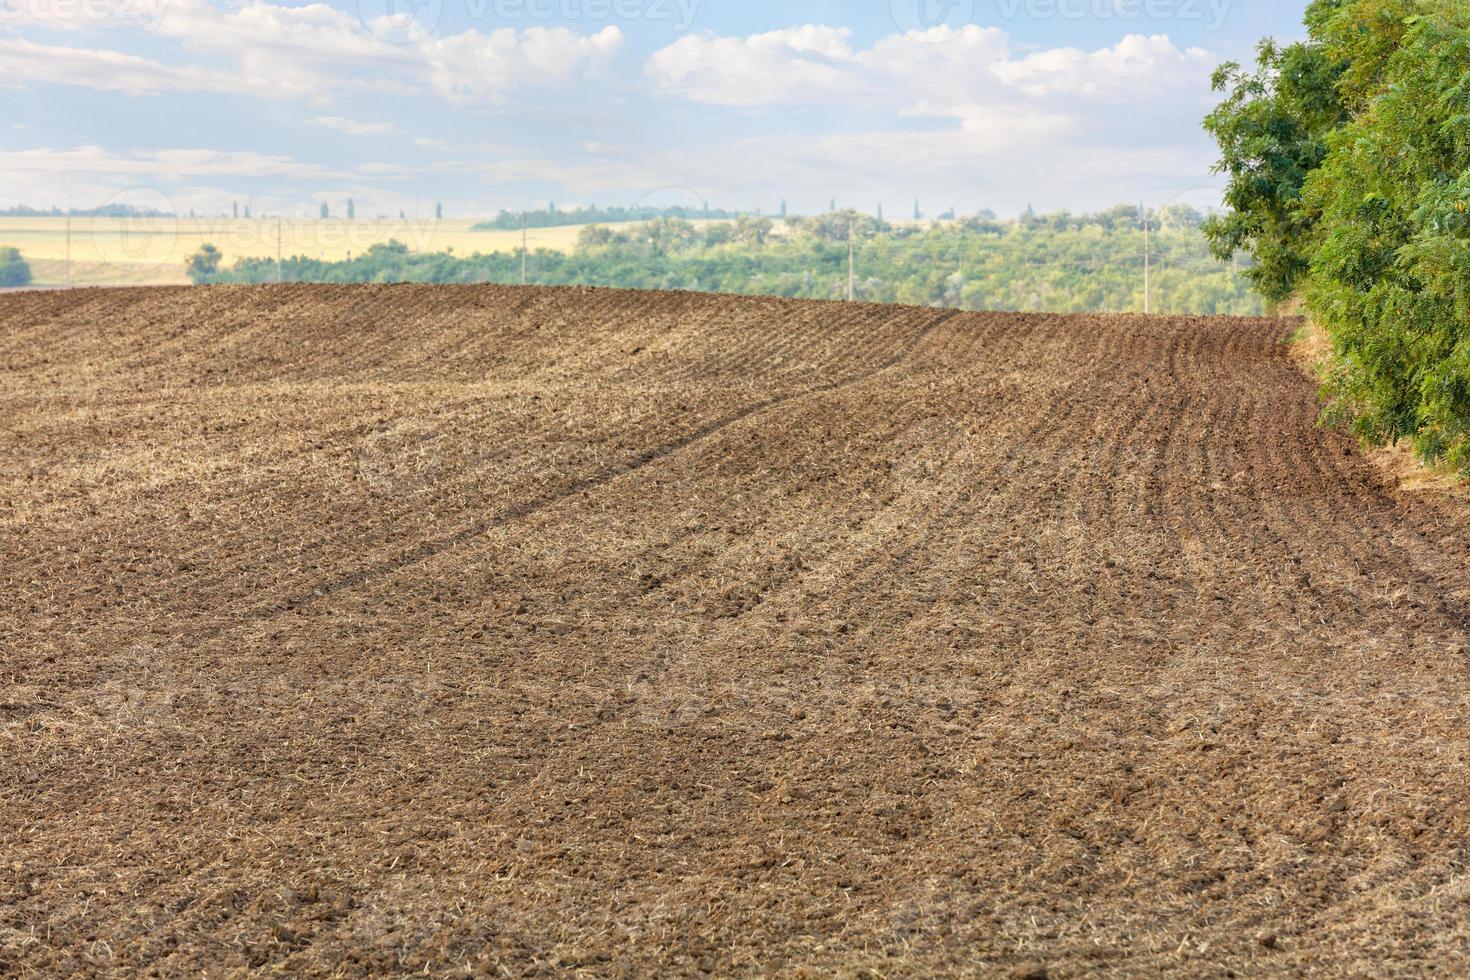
(851, 268)
(960, 263)
(523, 247)
(1147, 261)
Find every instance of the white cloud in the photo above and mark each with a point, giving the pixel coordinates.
(943, 72)
(177, 179)
(310, 51)
(94, 161)
(1138, 68)
(1005, 165)
(290, 51)
(956, 116)
(24, 63)
(352, 127)
(799, 64)
(475, 67)
(1063, 125)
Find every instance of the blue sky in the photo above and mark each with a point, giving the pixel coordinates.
(490, 104)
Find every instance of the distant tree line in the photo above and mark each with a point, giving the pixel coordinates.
(1061, 263)
(554, 217)
(109, 211)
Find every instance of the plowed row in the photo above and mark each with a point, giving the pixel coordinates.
(534, 631)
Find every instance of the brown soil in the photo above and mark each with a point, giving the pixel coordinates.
(544, 631)
(1400, 464)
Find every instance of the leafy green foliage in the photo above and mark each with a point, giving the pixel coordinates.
(203, 264)
(1391, 273)
(1060, 263)
(1272, 130)
(14, 270)
(1349, 165)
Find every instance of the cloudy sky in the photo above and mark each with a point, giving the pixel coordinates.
(490, 104)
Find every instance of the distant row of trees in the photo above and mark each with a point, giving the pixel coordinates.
(553, 217)
(109, 211)
(325, 210)
(1062, 263)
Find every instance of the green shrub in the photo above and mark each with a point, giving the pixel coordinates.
(203, 265)
(14, 270)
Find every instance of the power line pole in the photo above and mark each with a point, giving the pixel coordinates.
(1147, 261)
(851, 269)
(960, 264)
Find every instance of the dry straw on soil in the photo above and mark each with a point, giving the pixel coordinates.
(402, 629)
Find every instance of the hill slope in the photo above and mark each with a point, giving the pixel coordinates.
(528, 630)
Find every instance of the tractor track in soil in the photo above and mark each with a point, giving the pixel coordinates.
(461, 630)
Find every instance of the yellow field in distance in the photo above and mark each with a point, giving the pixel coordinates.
(144, 251)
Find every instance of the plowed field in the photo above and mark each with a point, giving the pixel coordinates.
(544, 631)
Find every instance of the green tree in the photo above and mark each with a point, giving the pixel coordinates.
(1272, 129)
(1391, 275)
(14, 270)
(752, 231)
(1348, 158)
(203, 266)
